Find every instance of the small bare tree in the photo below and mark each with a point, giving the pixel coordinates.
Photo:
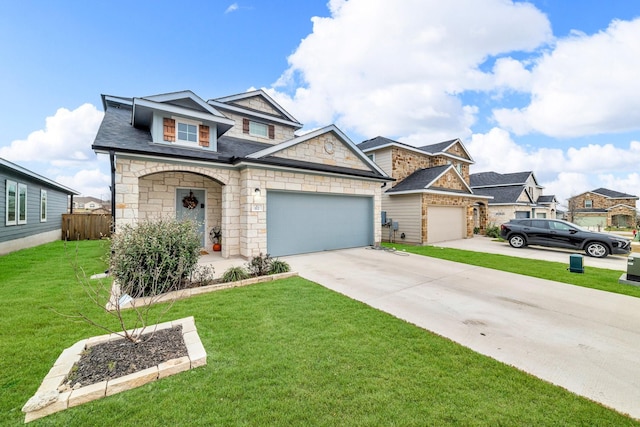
(147, 261)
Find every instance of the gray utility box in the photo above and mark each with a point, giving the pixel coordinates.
(633, 268)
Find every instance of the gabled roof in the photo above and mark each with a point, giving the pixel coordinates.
(506, 194)
(424, 179)
(547, 199)
(231, 103)
(611, 194)
(310, 135)
(39, 178)
(493, 179)
(184, 103)
(118, 135)
(440, 148)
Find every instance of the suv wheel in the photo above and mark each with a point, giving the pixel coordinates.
(596, 249)
(517, 241)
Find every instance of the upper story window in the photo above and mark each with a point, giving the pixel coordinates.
(588, 204)
(187, 132)
(261, 130)
(372, 157)
(258, 129)
(184, 131)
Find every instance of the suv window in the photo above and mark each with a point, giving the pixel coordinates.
(539, 223)
(559, 226)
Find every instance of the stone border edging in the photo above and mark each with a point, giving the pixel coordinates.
(48, 399)
(186, 293)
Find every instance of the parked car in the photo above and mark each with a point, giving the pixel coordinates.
(562, 234)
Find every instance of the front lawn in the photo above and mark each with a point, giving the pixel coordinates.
(596, 278)
(288, 352)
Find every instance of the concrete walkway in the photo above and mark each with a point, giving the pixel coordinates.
(584, 340)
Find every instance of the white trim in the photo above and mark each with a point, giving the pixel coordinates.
(310, 172)
(9, 183)
(185, 94)
(43, 198)
(37, 177)
(26, 204)
(186, 142)
(182, 111)
(417, 150)
(251, 94)
(447, 193)
(253, 113)
(266, 127)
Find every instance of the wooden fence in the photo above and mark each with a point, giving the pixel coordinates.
(85, 226)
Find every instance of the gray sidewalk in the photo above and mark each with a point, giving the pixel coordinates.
(584, 340)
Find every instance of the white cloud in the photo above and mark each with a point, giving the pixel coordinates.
(564, 173)
(232, 8)
(89, 182)
(587, 85)
(62, 150)
(396, 70)
(65, 140)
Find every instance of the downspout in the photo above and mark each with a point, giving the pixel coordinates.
(112, 156)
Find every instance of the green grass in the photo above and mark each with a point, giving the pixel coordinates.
(595, 278)
(288, 352)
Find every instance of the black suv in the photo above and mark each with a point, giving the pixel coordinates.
(562, 234)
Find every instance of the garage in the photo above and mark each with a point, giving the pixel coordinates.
(312, 222)
(445, 223)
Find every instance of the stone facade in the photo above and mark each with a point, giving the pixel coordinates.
(325, 149)
(448, 200)
(146, 189)
(258, 103)
(405, 162)
(615, 207)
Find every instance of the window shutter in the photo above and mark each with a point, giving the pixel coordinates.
(204, 136)
(245, 125)
(272, 132)
(169, 129)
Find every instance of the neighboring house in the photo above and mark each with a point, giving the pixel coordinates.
(514, 195)
(602, 208)
(32, 206)
(236, 163)
(431, 200)
(91, 205)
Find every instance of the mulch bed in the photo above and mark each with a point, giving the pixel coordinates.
(118, 358)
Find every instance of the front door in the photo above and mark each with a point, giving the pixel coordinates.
(190, 204)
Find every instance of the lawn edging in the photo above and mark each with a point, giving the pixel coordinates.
(52, 397)
(186, 293)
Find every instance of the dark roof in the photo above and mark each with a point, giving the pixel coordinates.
(486, 179)
(613, 194)
(437, 148)
(546, 199)
(116, 133)
(504, 194)
(419, 179)
(379, 141)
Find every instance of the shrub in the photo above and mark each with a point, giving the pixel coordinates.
(235, 274)
(154, 256)
(202, 275)
(493, 231)
(278, 266)
(260, 265)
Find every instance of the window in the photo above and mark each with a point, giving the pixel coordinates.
(22, 204)
(588, 204)
(187, 132)
(11, 197)
(372, 157)
(43, 205)
(258, 129)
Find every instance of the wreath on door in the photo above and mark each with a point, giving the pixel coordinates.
(190, 201)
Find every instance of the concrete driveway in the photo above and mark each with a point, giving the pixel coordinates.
(584, 340)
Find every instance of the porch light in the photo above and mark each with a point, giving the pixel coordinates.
(257, 191)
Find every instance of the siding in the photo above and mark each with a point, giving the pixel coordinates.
(56, 206)
(383, 160)
(406, 210)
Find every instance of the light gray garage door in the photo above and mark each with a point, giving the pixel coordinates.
(311, 222)
(445, 223)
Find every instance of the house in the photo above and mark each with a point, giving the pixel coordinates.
(601, 208)
(430, 200)
(514, 195)
(91, 205)
(32, 205)
(236, 163)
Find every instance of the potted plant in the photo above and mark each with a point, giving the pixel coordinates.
(216, 238)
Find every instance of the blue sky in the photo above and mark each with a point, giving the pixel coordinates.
(548, 86)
